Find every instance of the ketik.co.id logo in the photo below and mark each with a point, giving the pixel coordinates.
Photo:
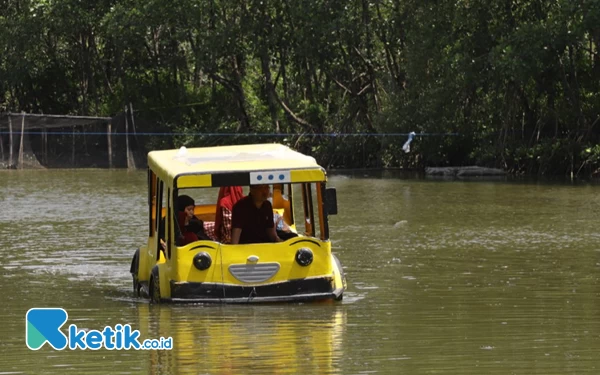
(43, 325)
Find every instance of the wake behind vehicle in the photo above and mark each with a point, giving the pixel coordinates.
(301, 268)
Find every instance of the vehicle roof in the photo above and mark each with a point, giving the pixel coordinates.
(171, 164)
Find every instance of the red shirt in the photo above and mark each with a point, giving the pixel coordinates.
(254, 222)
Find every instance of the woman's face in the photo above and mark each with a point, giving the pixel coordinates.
(189, 211)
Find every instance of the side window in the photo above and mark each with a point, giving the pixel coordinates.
(151, 202)
(307, 202)
(290, 197)
(323, 221)
(312, 205)
(169, 220)
(159, 222)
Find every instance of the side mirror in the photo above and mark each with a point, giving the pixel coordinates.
(330, 201)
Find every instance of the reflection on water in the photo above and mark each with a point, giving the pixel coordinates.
(241, 339)
(449, 277)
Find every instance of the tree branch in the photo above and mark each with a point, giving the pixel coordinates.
(342, 86)
(292, 115)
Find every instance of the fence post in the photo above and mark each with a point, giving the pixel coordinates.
(135, 138)
(109, 136)
(10, 140)
(21, 142)
(45, 144)
(73, 149)
(129, 161)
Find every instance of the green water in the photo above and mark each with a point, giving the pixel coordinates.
(445, 277)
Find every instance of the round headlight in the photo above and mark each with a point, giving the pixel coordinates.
(202, 261)
(304, 256)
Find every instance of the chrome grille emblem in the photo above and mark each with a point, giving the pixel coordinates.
(254, 273)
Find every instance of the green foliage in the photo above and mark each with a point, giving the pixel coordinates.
(517, 84)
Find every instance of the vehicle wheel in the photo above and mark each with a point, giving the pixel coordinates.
(135, 263)
(136, 285)
(154, 286)
(343, 275)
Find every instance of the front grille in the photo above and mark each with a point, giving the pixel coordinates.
(254, 273)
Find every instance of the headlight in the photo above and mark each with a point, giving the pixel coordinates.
(202, 261)
(304, 256)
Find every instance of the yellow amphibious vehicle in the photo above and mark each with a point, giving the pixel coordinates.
(301, 268)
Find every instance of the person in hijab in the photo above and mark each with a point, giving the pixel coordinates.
(191, 228)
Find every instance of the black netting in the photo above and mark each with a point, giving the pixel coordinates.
(68, 142)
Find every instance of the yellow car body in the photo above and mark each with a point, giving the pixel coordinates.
(301, 268)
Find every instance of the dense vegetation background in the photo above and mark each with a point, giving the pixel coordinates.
(506, 83)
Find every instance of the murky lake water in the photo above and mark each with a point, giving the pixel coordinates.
(445, 277)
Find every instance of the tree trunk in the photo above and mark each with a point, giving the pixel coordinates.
(269, 88)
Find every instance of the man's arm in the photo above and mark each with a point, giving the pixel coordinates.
(235, 235)
(272, 233)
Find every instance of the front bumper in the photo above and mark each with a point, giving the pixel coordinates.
(300, 290)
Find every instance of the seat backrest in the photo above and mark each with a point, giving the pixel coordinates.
(280, 202)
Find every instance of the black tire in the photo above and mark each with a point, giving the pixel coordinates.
(154, 286)
(135, 264)
(136, 286)
(343, 276)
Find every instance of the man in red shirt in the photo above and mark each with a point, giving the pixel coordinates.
(252, 218)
